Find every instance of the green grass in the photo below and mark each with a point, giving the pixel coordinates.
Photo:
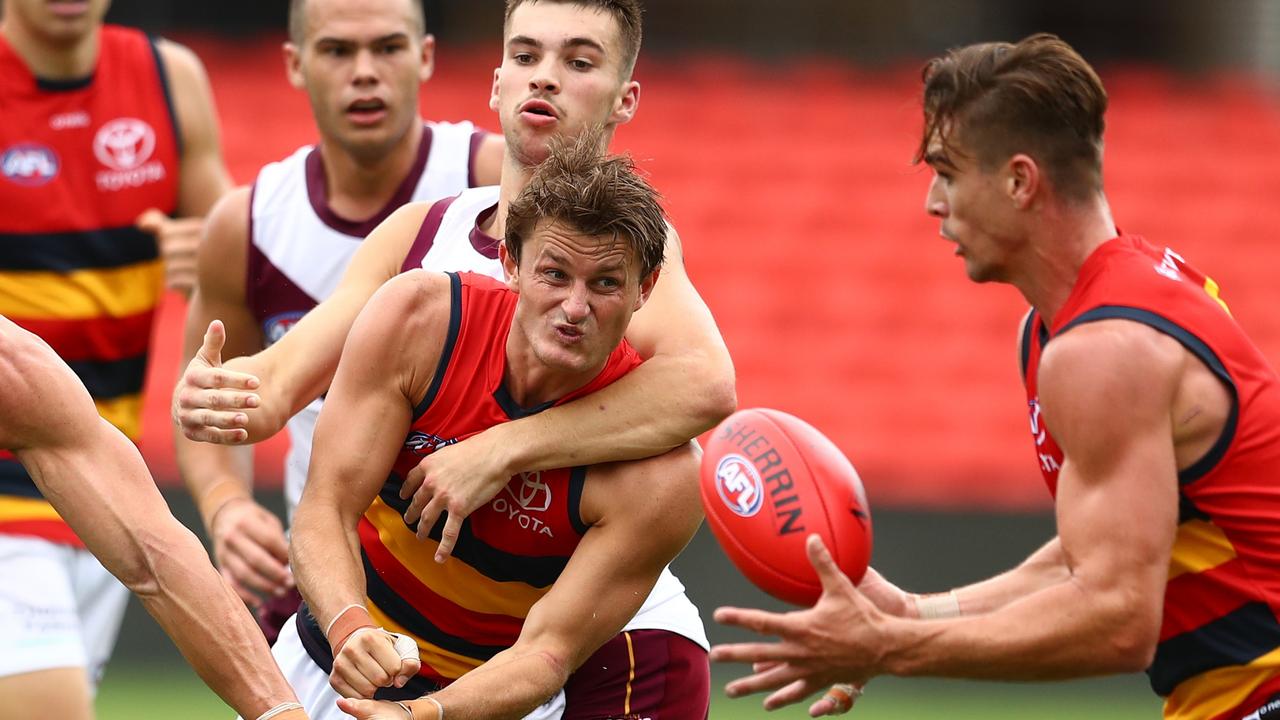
(144, 693)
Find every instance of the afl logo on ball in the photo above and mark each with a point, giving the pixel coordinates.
(739, 485)
(29, 164)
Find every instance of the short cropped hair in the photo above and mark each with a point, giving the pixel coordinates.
(594, 194)
(628, 13)
(298, 19)
(1036, 96)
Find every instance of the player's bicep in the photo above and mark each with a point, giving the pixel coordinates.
(675, 320)
(1107, 393)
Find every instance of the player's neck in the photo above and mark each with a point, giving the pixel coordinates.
(530, 382)
(52, 61)
(515, 175)
(360, 188)
(1070, 235)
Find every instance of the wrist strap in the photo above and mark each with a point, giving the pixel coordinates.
(938, 606)
(217, 497)
(439, 707)
(350, 619)
(285, 711)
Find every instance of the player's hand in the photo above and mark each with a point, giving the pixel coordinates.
(372, 709)
(457, 479)
(178, 240)
(208, 397)
(888, 597)
(839, 640)
(838, 700)
(373, 658)
(251, 550)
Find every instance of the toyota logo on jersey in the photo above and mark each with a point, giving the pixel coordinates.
(124, 143)
(29, 164)
(533, 494)
(739, 485)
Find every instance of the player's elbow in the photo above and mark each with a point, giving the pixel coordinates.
(1131, 635)
(157, 558)
(716, 397)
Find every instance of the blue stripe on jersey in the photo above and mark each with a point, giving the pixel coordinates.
(107, 379)
(70, 251)
(1237, 638)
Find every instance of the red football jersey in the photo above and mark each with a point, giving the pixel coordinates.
(79, 161)
(1220, 638)
(511, 550)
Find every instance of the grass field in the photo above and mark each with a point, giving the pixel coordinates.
(141, 693)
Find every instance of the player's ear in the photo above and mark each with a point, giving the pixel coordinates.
(624, 108)
(509, 266)
(493, 93)
(1023, 180)
(293, 65)
(428, 58)
(646, 287)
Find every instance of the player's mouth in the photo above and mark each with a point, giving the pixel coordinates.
(539, 113)
(367, 111)
(68, 8)
(569, 334)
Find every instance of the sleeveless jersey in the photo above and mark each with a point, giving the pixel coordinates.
(451, 239)
(1220, 638)
(509, 552)
(299, 248)
(79, 161)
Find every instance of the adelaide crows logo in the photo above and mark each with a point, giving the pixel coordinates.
(421, 443)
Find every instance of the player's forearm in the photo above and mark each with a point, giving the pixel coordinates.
(1043, 568)
(214, 474)
(660, 405)
(324, 552)
(507, 687)
(208, 623)
(1068, 630)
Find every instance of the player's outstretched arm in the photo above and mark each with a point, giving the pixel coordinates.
(298, 368)
(248, 540)
(1107, 388)
(389, 359)
(684, 387)
(98, 483)
(642, 514)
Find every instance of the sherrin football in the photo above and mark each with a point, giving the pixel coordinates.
(769, 480)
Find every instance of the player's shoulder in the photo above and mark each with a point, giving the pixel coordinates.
(650, 488)
(181, 61)
(228, 220)
(1109, 353)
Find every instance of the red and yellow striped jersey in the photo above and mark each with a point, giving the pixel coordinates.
(1219, 649)
(79, 161)
(510, 551)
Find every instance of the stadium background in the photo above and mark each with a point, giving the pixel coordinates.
(782, 135)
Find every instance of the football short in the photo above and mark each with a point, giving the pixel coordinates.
(311, 683)
(641, 675)
(58, 608)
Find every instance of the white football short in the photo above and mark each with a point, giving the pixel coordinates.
(311, 683)
(58, 608)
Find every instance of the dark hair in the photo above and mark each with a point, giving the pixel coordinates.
(1036, 96)
(298, 19)
(628, 14)
(594, 194)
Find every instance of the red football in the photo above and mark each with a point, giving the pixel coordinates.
(769, 480)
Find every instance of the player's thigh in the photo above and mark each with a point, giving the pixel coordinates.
(642, 674)
(100, 604)
(61, 693)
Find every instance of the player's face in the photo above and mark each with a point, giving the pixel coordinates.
(562, 73)
(577, 295)
(57, 22)
(974, 210)
(361, 63)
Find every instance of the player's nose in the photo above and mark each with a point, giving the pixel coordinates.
(935, 201)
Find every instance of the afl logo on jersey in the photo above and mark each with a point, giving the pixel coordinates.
(277, 325)
(739, 485)
(124, 145)
(29, 164)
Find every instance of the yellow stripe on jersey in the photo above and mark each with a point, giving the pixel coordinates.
(1214, 692)
(1212, 289)
(448, 664)
(125, 412)
(454, 578)
(81, 295)
(1199, 546)
(22, 508)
